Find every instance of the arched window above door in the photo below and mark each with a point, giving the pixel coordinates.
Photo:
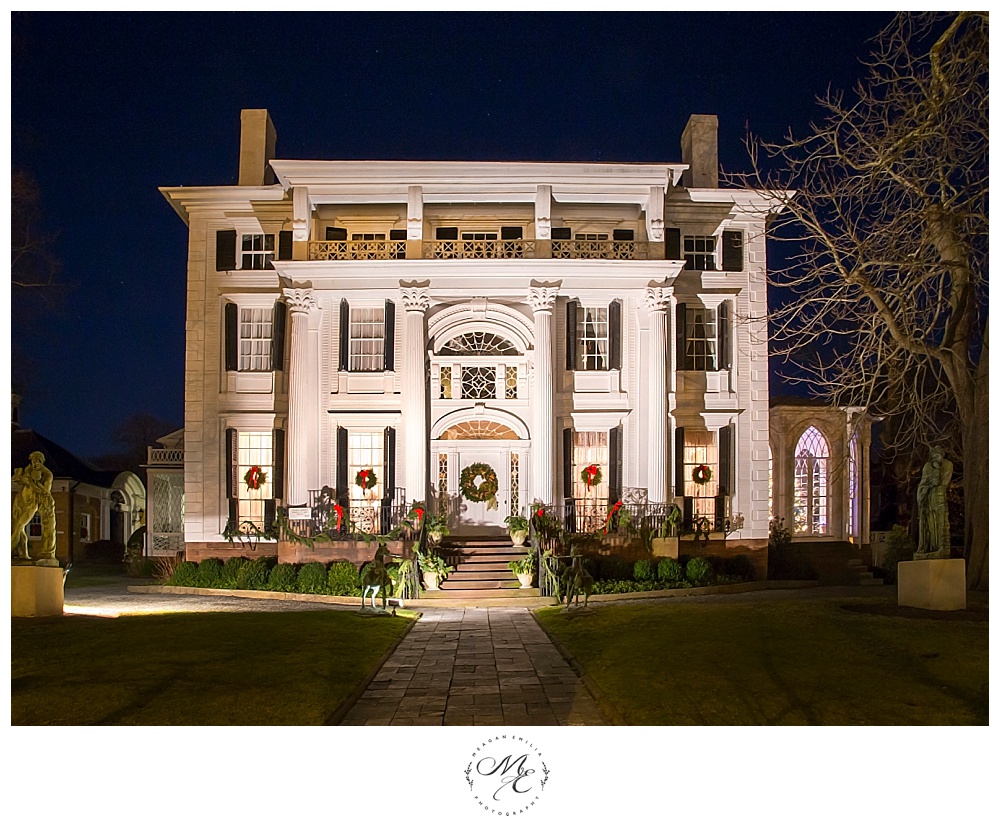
(479, 430)
(479, 343)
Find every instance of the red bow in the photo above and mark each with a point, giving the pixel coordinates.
(540, 513)
(340, 515)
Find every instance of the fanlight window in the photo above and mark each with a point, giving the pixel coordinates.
(479, 343)
(479, 431)
(810, 505)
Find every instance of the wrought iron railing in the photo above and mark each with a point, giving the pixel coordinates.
(478, 249)
(600, 249)
(357, 249)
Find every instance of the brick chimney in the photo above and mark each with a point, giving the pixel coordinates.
(257, 137)
(700, 150)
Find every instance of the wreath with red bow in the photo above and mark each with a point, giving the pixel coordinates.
(701, 474)
(255, 477)
(366, 479)
(591, 476)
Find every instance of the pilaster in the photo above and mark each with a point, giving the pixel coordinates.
(657, 303)
(542, 299)
(302, 458)
(415, 299)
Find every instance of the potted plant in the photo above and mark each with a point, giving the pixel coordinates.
(436, 527)
(517, 528)
(524, 569)
(434, 570)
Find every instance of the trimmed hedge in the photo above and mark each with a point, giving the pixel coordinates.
(209, 573)
(252, 575)
(670, 571)
(698, 572)
(343, 579)
(643, 571)
(284, 578)
(230, 572)
(312, 578)
(186, 575)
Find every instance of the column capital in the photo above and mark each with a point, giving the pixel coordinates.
(415, 295)
(542, 296)
(657, 298)
(299, 300)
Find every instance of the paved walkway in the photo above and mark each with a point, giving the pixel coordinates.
(474, 667)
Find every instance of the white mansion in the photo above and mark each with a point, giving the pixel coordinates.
(416, 318)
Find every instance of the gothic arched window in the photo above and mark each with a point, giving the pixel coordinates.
(809, 514)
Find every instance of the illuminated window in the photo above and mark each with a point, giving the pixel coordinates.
(809, 513)
(700, 339)
(701, 449)
(85, 522)
(256, 333)
(446, 383)
(854, 502)
(592, 335)
(367, 339)
(254, 449)
(257, 252)
(590, 448)
(365, 452)
(479, 382)
(510, 386)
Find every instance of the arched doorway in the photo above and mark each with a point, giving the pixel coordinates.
(458, 449)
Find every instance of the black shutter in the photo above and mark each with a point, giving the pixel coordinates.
(343, 490)
(732, 251)
(336, 233)
(389, 354)
(725, 336)
(679, 461)
(225, 250)
(270, 510)
(511, 233)
(672, 241)
(623, 234)
(345, 335)
(562, 233)
(681, 338)
(615, 335)
(234, 512)
(388, 477)
(615, 465)
(571, 309)
(232, 463)
(688, 513)
(568, 463)
(232, 319)
(285, 245)
(446, 233)
(725, 459)
(278, 470)
(278, 336)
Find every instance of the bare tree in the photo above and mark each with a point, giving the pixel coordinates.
(33, 263)
(884, 302)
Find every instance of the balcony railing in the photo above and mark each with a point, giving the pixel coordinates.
(357, 250)
(164, 456)
(600, 249)
(478, 249)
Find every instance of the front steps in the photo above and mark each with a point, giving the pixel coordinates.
(481, 569)
(840, 563)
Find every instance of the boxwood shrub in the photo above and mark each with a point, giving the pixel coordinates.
(343, 579)
(252, 575)
(312, 578)
(670, 571)
(209, 572)
(230, 572)
(643, 570)
(186, 575)
(698, 572)
(283, 578)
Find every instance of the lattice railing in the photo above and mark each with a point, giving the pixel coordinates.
(600, 249)
(165, 456)
(478, 249)
(357, 250)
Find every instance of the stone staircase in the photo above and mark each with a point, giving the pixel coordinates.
(481, 569)
(841, 563)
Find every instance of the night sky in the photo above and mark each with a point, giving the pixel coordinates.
(107, 107)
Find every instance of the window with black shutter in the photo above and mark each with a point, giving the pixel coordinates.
(389, 474)
(732, 251)
(232, 331)
(571, 341)
(389, 353)
(679, 461)
(680, 342)
(343, 490)
(615, 335)
(285, 245)
(672, 243)
(232, 473)
(615, 463)
(278, 337)
(344, 337)
(278, 479)
(725, 332)
(225, 250)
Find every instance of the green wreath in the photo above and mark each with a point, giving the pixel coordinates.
(485, 492)
(701, 474)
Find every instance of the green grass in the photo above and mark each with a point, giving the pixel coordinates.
(779, 662)
(196, 668)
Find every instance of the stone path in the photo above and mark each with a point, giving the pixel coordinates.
(474, 667)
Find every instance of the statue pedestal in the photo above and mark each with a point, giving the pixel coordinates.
(36, 591)
(933, 584)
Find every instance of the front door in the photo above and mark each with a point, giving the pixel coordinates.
(483, 516)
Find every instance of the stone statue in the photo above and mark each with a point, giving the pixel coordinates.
(375, 577)
(35, 495)
(932, 507)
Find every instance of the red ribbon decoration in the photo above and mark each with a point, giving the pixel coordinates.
(340, 515)
(420, 513)
(611, 514)
(591, 471)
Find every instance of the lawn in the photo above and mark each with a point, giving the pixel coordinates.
(781, 662)
(194, 668)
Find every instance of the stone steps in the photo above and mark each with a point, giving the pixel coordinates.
(481, 569)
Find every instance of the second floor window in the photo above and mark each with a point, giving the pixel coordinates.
(367, 339)
(255, 339)
(256, 251)
(592, 334)
(700, 345)
(699, 253)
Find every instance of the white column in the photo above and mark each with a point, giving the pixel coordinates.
(414, 386)
(542, 299)
(302, 437)
(657, 301)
